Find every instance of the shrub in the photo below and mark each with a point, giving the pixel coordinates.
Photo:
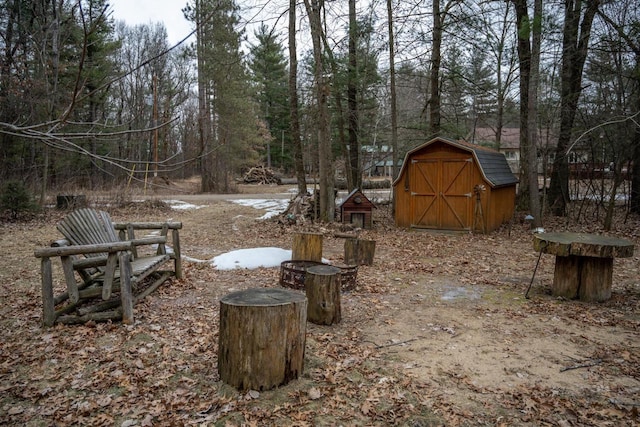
(16, 199)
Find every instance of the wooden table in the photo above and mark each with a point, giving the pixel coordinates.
(584, 263)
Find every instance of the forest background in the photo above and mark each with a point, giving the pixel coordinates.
(90, 102)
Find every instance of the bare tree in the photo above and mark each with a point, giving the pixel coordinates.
(529, 42)
(325, 157)
(352, 100)
(578, 19)
(392, 83)
(625, 32)
(293, 102)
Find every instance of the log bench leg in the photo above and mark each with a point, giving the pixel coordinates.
(586, 278)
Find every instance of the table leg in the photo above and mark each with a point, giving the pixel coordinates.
(595, 279)
(566, 278)
(586, 278)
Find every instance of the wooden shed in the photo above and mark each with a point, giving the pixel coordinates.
(357, 210)
(454, 185)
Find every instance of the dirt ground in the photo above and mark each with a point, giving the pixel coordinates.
(437, 332)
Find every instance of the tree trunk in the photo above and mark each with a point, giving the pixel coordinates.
(524, 58)
(204, 124)
(532, 148)
(434, 79)
(634, 202)
(352, 96)
(635, 178)
(325, 157)
(575, 44)
(394, 109)
(298, 160)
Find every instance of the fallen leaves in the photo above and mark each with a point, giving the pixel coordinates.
(163, 369)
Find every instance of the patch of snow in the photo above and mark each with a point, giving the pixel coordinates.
(180, 205)
(272, 206)
(251, 258)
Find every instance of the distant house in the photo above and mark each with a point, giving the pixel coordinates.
(510, 145)
(373, 156)
(385, 168)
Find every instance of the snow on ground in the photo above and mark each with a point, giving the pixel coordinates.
(251, 258)
(273, 207)
(244, 258)
(180, 205)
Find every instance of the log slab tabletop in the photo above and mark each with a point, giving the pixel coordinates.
(262, 337)
(584, 263)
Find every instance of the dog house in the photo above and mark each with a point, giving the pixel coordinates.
(357, 210)
(454, 185)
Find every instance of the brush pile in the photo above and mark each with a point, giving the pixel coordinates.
(260, 175)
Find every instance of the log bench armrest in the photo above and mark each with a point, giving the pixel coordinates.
(153, 240)
(83, 249)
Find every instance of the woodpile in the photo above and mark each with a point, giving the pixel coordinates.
(300, 210)
(260, 175)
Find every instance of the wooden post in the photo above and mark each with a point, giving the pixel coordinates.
(48, 304)
(262, 338)
(322, 285)
(175, 241)
(359, 252)
(126, 293)
(307, 246)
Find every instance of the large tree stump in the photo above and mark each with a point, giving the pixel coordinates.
(359, 251)
(262, 338)
(322, 285)
(307, 246)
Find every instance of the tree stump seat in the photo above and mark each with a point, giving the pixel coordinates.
(262, 336)
(584, 263)
(293, 273)
(322, 286)
(359, 251)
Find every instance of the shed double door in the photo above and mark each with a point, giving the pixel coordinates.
(440, 193)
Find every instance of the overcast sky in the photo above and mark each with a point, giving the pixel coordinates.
(135, 12)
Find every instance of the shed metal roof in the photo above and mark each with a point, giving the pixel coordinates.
(493, 164)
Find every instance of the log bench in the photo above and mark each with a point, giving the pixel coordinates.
(584, 263)
(108, 259)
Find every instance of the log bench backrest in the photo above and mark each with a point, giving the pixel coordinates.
(87, 227)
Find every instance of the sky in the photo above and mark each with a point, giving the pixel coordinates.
(135, 12)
